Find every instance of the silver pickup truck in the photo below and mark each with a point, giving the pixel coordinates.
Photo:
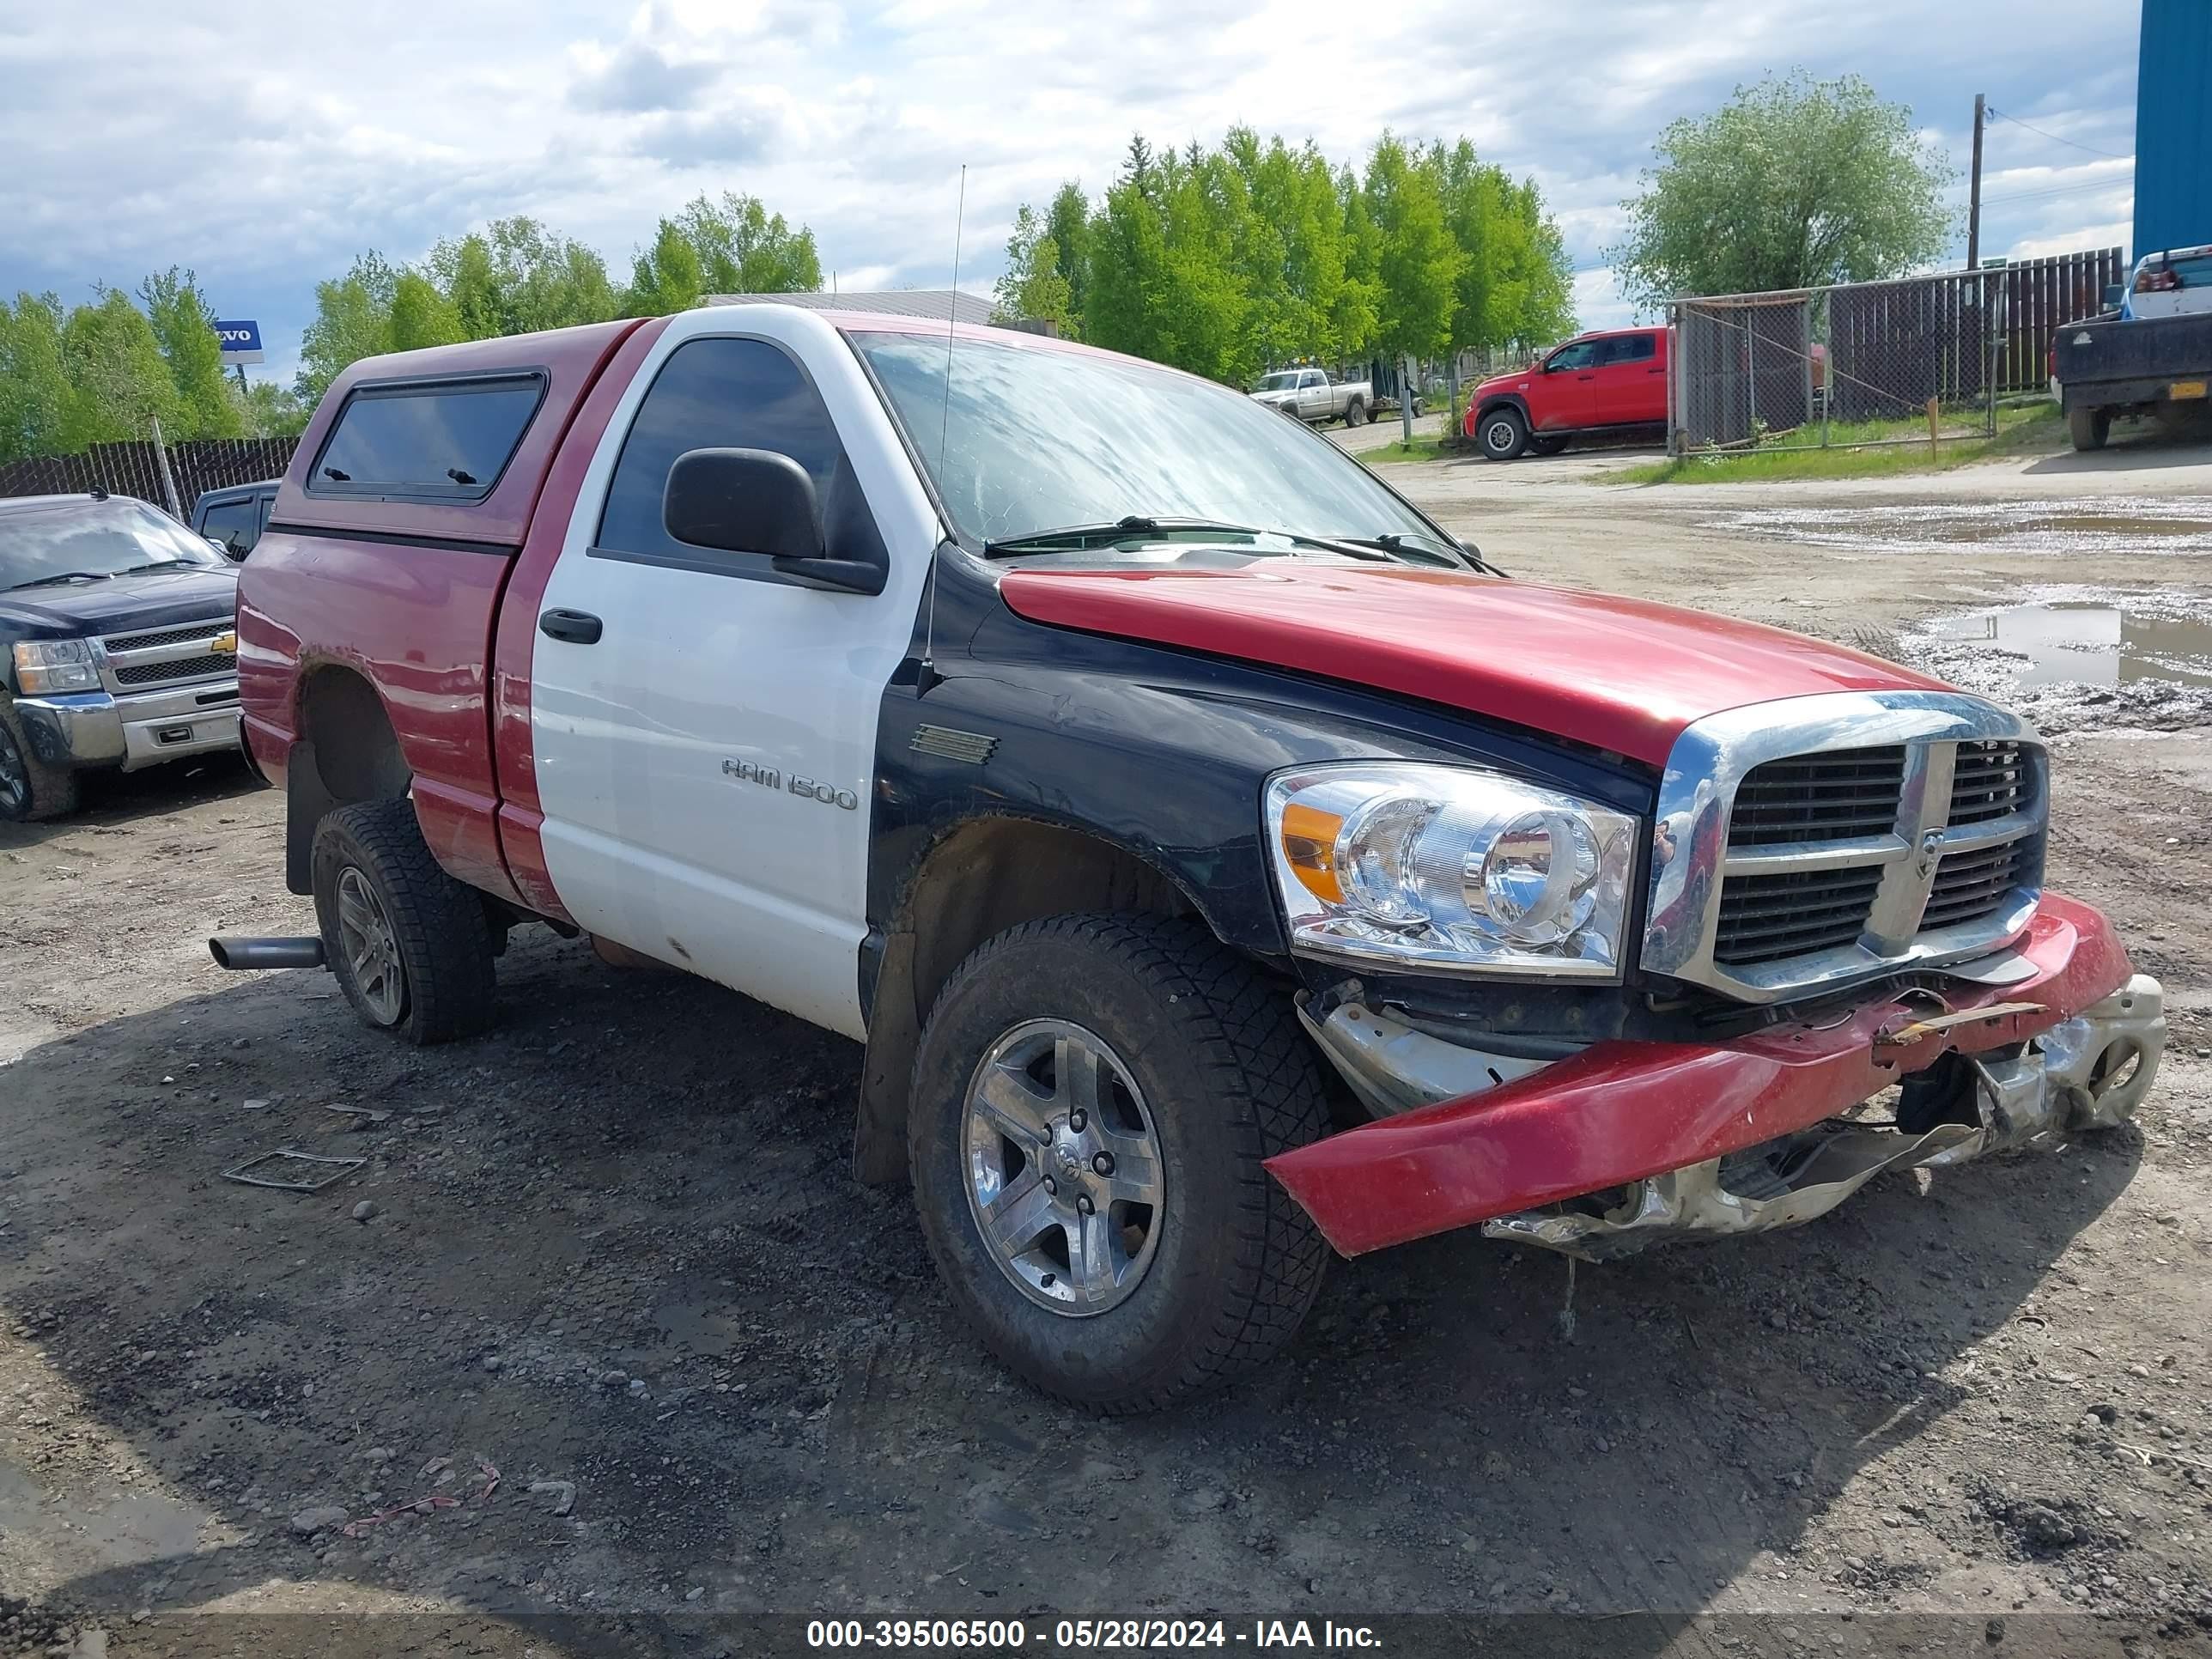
(1309, 394)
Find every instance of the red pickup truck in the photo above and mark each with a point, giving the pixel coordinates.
(1595, 383)
(1219, 862)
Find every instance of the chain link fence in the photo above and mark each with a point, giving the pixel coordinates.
(137, 469)
(1915, 360)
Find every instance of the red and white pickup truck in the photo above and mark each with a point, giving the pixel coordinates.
(1218, 861)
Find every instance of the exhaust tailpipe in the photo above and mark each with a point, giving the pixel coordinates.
(306, 952)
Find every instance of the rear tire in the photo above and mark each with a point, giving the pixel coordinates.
(1546, 446)
(30, 788)
(410, 946)
(2089, 428)
(1355, 413)
(1202, 1074)
(1501, 434)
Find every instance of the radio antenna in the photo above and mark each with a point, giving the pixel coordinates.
(929, 676)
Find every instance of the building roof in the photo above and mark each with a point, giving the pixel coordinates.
(943, 305)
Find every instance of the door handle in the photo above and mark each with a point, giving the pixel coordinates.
(1586, 377)
(576, 626)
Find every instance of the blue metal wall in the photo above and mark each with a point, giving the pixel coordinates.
(2173, 126)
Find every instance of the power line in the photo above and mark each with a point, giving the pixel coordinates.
(2060, 190)
(2110, 155)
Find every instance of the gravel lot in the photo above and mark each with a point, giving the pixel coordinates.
(611, 1251)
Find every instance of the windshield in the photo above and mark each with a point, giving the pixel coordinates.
(92, 540)
(1036, 438)
(1288, 382)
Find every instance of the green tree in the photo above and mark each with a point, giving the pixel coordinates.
(270, 410)
(1793, 182)
(1516, 284)
(743, 248)
(516, 276)
(118, 383)
(34, 387)
(183, 322)
(1034, 289)
(421, 316)
(353, 320)
(1419, 265)
(666, 277)
(1067, 223)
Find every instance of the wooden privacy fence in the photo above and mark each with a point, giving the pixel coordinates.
(135, 469)
(2035, 298)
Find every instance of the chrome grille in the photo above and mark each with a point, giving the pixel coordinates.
(1768, 918)
(1828, 796)
(191, 633)
(1810, 843)
(1988, 780)
(1971, 886)
(180, 668)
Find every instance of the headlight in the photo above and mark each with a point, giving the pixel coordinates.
(55, 666)
(1448, 869)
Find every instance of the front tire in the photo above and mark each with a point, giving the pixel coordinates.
(1094, 1098)
(410, 946)
(2088, 428)
(1502, 433)
(30, 788)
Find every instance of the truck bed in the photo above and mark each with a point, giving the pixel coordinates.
(2121, 361)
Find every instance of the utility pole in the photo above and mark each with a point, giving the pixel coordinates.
(1974, 189)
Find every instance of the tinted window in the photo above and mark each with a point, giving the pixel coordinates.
(718, 394)
(439, 439)
(1629, 349)
(236, 524)
(1582, 354)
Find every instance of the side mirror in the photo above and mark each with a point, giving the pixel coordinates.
(758, 502)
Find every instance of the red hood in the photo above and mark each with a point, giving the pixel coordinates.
(1618, 674)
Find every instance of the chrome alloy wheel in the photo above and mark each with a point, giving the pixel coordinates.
(1065, 1177)
(372, 948)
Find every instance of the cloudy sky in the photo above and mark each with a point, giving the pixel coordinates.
(264, 143)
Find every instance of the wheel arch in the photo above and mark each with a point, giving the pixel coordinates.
(1497, 400)
(348, 750)
(978, 878)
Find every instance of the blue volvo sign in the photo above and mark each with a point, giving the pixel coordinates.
(241, 341)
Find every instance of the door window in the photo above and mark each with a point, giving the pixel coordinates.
(1581, 353)
(1630, 348)
(235, 525)
(720, 393)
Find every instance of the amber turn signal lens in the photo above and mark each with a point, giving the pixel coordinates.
(1309, 845)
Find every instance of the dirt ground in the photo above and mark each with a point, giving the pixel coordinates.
(611, 1251)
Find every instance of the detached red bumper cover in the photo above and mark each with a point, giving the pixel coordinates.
(1621, 1111)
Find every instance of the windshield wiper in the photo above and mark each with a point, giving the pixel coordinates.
(161, 564)
(1078, 537)
(64, 576)
(1418, 546)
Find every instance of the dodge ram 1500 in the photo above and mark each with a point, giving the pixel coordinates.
(1219, 862)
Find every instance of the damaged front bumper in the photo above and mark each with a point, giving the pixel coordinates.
(1630, 1144)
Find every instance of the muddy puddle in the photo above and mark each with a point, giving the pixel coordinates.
(2086, 642)
(2156, 526)
(2074, 657)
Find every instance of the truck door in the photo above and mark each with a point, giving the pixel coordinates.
(703, 728)
(1559, 398)
(1628, 385)
(1312, 395)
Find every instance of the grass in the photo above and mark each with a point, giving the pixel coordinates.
(2022, 429)
(1421, 449)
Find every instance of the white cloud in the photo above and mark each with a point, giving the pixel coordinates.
(264, 143)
